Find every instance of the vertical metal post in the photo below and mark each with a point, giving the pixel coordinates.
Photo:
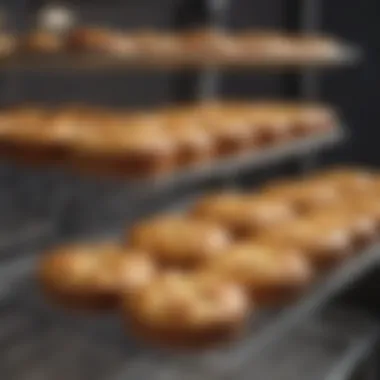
(209, 79)
(213, 14)
(303, 16)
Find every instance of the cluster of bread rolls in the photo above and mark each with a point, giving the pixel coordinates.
(193, 279)
(183, 47)
(139, 144)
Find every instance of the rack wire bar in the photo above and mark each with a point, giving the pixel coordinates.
(37, 338)
(346, 368)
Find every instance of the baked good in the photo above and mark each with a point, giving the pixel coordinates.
(324, 244)
(178, 240)
(100, 40)
(303, 195)
(93, 276)
(8, 45)
(349, 181)
(367, 207)
(271, 124)
(271, 274)
(21, 134)
(158, 47)
(361, 225)
(242, 214)
(230, 131)
(315, 49)
(208, 46)
(187, 310)
(194, 144)
(262, 47)
(41, 41)
(310, 119)
(125, 151)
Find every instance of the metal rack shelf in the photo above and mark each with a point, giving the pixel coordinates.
(233, 164)
(34, 62)
(98, 203)
(37, 339)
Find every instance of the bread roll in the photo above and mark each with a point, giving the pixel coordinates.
(324, 244)
(270, 274)
(179, 241)
(94, 277)
(187, 311)
(243, 215)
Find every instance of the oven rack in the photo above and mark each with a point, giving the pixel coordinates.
(38, 340)
(96, 201)
(348, 55)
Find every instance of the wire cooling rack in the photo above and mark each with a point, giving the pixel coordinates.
(95, 203)
(41, 341)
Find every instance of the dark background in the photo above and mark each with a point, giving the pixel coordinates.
(355, 91)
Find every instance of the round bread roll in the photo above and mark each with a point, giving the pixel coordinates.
(8, 45)
(262, 47)
(324, 244)
(22, 133)
(270, 274)
(243, 215)
(368, 207)
(315, 49)
(134, 151)
(312, 118)
(303, 195)
(98, 40)
(349, 181)
(208, 46)
(194, 144)
(93, 277)
(231, 132)
(162, 47)
(360, 225)
(271, 124)
(179, 241)
(187, 310)
(41, 41)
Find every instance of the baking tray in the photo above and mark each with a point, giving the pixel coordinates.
(40, 341)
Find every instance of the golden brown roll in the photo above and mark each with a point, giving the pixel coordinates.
(99, 40)
(8, 45)
(41, 41)
(158, 47)
(21, 133)
(310, 119)
(244, 215)
(231, 132)
(361, 226)
(132, 151)
(303, 195)
(208, 46)
(315, 49)
(271, 274)
(349, 181)
(188, 311)
(94, 276)
(324, 244)
(194, 144)
(367, 207)
(262, 47)
(271, 125)
(179, 241)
